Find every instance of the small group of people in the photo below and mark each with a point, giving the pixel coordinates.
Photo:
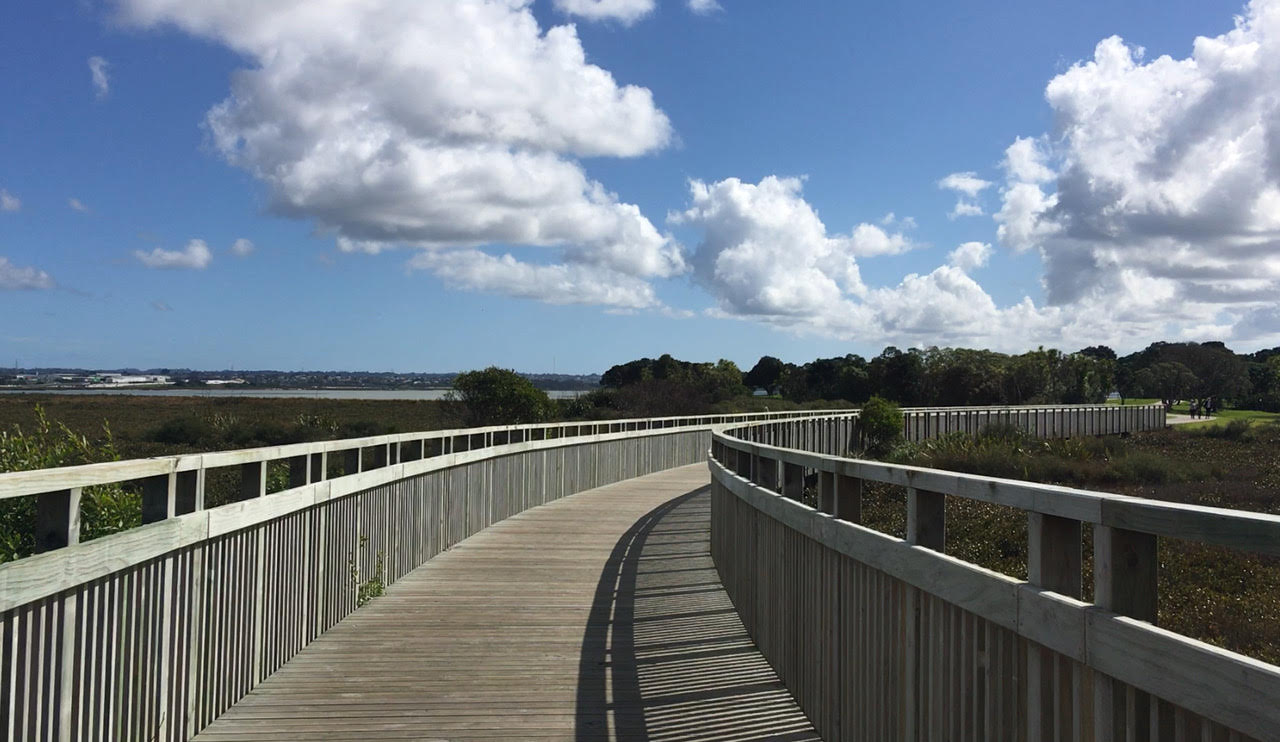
(1202, 407)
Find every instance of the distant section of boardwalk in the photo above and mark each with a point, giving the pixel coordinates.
(596, 617)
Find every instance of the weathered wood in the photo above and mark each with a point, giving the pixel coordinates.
(926, 519)
(848, 498)
(159, 497)
(57, 519)
(519, 633)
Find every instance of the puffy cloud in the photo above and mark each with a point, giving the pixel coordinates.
(1159, 192)
(704, 7)
(195, 256)
(15, 278)
(553, 284)
(77, 205)
(161, 306)
(970, 256)
(892, 219)
(1025, 161)
(968, 186)
(242, 247)
(8, 201)
(964, 208)
(101, 81)
(766, 253)
(766, 256)
(967, 183)
(433, 124)
(626, 11)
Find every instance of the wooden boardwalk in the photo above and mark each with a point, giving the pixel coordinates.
(596, 617)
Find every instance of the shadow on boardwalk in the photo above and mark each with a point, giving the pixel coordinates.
(664, 655)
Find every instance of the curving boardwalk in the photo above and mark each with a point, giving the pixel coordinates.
(596, 617)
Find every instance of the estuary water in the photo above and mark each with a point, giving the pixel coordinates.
(275, 393)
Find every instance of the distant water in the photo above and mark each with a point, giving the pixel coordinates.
(274, 393)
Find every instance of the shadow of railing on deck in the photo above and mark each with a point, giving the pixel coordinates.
(664, 655)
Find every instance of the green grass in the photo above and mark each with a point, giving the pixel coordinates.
(1222, 418)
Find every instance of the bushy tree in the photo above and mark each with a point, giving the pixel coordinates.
(766, 374)
(879, 426)
(499, 396)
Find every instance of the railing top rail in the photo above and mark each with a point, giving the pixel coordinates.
(39, 481)
(1236, 529)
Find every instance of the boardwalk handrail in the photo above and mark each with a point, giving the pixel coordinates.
(154, 631)
(962, 652)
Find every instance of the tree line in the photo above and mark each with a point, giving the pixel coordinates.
(965, 376)
(915, 377)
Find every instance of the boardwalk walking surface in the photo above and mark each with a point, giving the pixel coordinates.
(596, 617)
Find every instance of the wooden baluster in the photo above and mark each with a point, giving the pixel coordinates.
(299, 471)
(158, 497)
(926, 519)
(793, 481)
(253, 480)
(848, 498)
(1053, 563)
(1124, 581)
(827, 492)
(57, 519)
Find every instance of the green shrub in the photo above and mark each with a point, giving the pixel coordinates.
(104, 509)
(880, 425)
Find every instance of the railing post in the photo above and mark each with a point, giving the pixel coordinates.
(253, 480)
(57, 519)
(848, 498)
(319, 465)
(827, 492)
(299, 471)
(926, 519)
(765, 472)
(351, 463)
(1124, 582)
(188, 492)
(158, 497)
(793, 481)
(1053, 563)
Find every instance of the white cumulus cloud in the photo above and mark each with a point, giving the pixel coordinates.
(242, 247)
(195, 256)
(967, 183)
(625, 11)
(77, 205)
(436, 124)
(970, 256)
(98, 68)
(8, 201)
(964, 208)
(1159, 191)
(15, 278)
(554, 284)
(704, 7)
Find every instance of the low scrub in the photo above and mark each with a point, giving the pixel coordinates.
(1009, 452)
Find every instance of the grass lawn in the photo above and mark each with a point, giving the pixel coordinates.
(1222, 417)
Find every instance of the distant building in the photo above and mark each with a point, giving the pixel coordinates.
(117, 380)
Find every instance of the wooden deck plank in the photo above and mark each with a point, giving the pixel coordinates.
(596, 617)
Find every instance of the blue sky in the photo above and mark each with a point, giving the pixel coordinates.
(576, 183)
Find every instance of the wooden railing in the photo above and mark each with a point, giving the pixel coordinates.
(892, 639)
(153, 632)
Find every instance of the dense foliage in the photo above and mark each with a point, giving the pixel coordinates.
(499, 396)
(879, 425)
(104, 509)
